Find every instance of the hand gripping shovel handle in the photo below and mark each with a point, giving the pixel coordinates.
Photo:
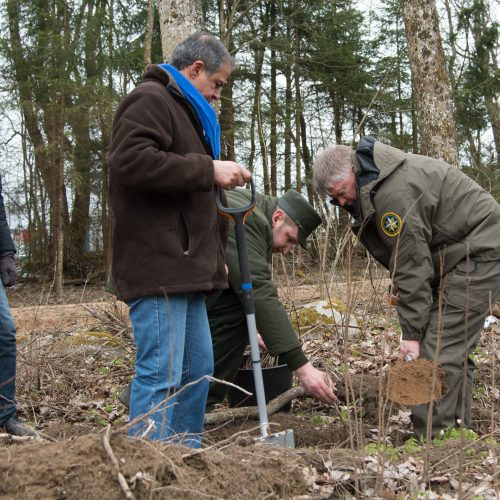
(238, 215)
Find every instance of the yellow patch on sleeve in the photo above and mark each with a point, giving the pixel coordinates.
(391, 223)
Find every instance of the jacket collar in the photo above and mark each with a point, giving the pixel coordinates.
(387, 159)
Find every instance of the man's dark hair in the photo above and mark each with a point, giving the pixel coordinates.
(201, 46)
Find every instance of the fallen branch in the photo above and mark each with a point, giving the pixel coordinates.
(273, 406)
(163, 404)
(121, 478)
(10, 437)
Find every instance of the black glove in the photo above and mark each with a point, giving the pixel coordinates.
(8, 269)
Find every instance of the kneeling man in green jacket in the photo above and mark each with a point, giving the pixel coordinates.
(438, 233)
(275, 225)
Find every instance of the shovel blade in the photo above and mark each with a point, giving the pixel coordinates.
(283, 439)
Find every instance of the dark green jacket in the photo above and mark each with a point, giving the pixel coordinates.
(420, 217)
(272, 320)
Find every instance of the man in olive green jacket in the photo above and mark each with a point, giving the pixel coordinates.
(438, 233)
(275, 225)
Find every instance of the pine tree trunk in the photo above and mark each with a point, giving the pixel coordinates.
(431, 81)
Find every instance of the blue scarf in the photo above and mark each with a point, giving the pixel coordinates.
(205, 112)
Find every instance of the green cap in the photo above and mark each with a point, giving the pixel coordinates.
(301, 212)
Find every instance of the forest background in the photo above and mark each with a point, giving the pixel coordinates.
(309, 74)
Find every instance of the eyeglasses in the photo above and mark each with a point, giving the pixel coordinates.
(333, 193)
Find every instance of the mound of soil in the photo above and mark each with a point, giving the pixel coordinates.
(414, 382)
(81, 468)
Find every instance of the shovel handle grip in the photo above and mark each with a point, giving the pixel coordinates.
(238, 215)
(235, 213)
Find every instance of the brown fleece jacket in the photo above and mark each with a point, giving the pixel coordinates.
(167, 234)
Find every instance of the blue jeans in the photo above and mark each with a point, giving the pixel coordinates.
(174, 348)
(7, 360)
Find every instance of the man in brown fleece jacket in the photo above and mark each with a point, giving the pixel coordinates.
(168, 239)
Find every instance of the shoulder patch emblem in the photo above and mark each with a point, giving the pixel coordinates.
(391, 223)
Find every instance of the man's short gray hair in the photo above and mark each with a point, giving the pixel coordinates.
(201, 46)
(331, 165)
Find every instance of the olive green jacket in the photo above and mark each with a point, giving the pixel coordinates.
(271, 318)
(420, 217)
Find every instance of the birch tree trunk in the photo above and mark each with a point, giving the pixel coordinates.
(178, 19)
(431, 80)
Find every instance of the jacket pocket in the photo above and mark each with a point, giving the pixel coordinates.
(462, 290)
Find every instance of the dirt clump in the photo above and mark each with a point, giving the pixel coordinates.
(414, 382)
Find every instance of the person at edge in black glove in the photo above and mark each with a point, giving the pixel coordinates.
(9, 422)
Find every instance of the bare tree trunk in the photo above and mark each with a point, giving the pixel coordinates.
(490, 97)
(431, 81)
(298, 108)
(58, 146)
(148, 33)
(263, 147)
(414, 122)
(226, 116)
(307, 160)
(178, 19)
(288, 117)
(226, 120)
(258, 60)
(273, 107)
(106, 125)
(338, 119)
(26, 99)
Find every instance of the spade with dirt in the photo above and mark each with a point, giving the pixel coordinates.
(414, 382)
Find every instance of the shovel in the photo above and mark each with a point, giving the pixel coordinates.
(284, 439)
